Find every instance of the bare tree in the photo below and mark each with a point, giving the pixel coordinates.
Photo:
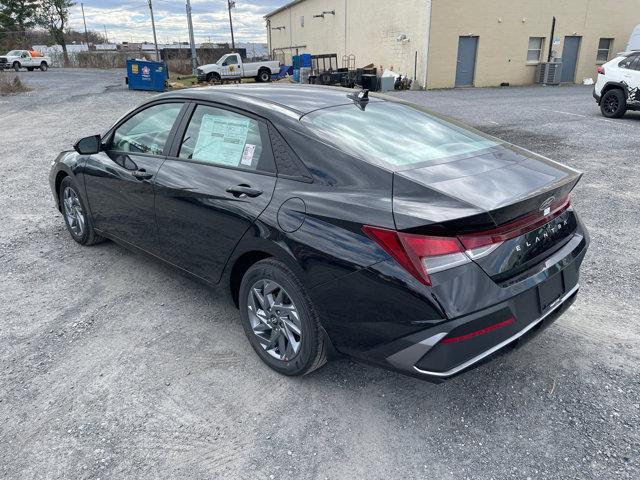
(54, 17)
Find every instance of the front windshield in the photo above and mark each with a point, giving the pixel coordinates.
(14, 53)
(395, 135)
(221, 59)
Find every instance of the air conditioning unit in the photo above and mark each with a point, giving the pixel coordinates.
(549, 73)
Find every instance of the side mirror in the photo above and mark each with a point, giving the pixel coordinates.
(88, 145)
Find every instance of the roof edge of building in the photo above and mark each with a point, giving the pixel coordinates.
(284, 7)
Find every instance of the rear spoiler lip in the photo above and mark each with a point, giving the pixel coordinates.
(491, 217)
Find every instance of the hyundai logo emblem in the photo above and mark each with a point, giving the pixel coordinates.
(545, 207)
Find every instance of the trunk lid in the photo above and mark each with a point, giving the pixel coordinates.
(503, 189)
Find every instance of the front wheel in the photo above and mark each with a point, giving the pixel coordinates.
(76, 215)
(279, 319)
(16, 66)
(44, 67)
(214, 78)
(613, 104)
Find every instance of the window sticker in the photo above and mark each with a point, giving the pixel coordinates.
(221, 139)
(247, 154)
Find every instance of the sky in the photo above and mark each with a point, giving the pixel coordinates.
(130, 21)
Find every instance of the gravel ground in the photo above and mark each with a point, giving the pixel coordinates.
(112, 366)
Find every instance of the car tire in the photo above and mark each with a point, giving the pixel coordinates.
(214, 78)
(75, 213)
(613, 104)
(264, 76)
(44, 67)
(16, 66)
(265, 324)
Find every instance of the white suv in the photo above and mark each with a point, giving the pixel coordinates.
(618, 86)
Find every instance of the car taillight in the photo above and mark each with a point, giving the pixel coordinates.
(419, 254)
(601, 70)
(477, 244)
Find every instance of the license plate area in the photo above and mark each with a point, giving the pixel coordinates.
(551, 290)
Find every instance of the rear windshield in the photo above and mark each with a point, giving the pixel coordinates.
(395, 135)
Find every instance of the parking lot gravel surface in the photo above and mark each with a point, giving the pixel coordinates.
(113, 366)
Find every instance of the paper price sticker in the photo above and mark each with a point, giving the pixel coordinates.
(247, 154)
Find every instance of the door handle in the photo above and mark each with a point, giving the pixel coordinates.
(241, 191)
(142, 174)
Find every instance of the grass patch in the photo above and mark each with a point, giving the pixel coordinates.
(10, 84)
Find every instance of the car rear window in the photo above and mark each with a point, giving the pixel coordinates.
(395, 135)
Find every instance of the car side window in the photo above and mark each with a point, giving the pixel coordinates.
(221, 137)
(628, 62)
(635, 65)
(231, 60)
(147, 131)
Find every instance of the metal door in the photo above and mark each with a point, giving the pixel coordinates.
(119, 180)
(467, 47)
(204, 205)
(570, 58)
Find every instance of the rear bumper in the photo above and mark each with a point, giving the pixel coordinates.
(444, 350)
(595, 95)
(558, 307)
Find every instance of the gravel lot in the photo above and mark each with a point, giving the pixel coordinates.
(112, 366)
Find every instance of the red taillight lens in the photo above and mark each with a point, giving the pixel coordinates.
(601, 70)
(418, 254)
(514, 229)
(422, 254)
(482, 331)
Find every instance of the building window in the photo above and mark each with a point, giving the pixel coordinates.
(535, 49)
(604, 48)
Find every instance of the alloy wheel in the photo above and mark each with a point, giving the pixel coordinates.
(274, 319)
(611, 104)
(73, 211)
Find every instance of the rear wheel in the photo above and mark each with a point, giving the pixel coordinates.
(16, 66)
(264, 76)
(44, 67)
(613, 103)
(279, 319)
(76, 216)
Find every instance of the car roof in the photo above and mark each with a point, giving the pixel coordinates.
(294, 99)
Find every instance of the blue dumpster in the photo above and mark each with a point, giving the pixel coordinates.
(146, 75)
(305, 60)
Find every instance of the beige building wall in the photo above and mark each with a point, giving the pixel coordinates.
(503, 28)
(369, 29)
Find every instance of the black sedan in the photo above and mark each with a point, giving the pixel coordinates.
(341, 223)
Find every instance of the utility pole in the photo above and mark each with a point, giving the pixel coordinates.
(194, 60)
(153, 25)
(86, 35)
(231, 5)
(106, 37)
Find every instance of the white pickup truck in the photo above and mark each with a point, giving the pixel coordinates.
(18, 59)
(230, 67)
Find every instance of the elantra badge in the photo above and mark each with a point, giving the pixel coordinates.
(545, 207)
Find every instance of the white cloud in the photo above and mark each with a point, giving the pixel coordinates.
(126, 22)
